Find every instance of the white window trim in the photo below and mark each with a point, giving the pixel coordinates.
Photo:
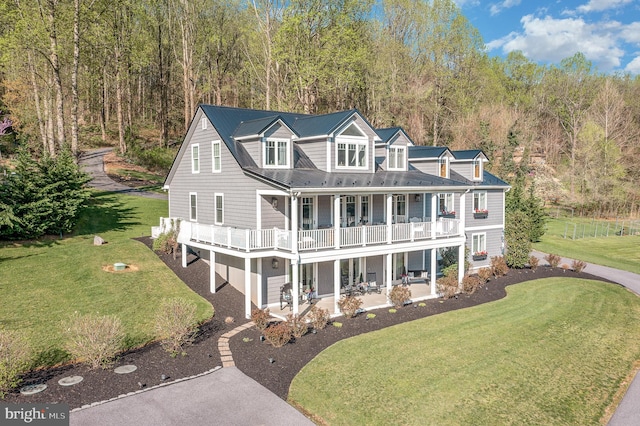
(276, 165)
(473, 169)
(193, 168)
(483, 240)
(203, 123)
(358, 142)
(215, 208)
(444, 159)
(448, 196)
(213, 158)
(403, 166)
(474, 201)
(191, 206)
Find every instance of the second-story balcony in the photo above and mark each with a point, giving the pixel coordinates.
(317, 239)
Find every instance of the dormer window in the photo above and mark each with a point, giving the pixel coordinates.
(396, 160)
(276, 153)
(443, 167)
(477, 169)
(352, 148)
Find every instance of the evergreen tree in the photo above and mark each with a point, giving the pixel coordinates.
(516, 233)
(536, 214)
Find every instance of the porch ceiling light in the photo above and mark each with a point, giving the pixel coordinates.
(274, 263)
(274, 202)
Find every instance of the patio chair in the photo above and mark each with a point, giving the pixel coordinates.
(286, 296)
(372, 283)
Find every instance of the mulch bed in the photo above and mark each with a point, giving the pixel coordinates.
(250, 354)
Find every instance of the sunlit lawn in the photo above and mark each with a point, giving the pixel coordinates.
(554, 351)
(622, 252)
(43, 282)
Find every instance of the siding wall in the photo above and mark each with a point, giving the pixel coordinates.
(272, 218)
(494, 205)
(272, 279)
(254, 148)
(429, 167)
(464, 168)
(317, 152)
(324, 210)
(494, 246)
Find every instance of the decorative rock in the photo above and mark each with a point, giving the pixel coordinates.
(125, 369)
(32, 389)
(98, 241)
(70, 381)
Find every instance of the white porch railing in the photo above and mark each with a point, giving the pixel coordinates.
(312, 239)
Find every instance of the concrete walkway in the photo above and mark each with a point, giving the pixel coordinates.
(628, 412)
(92, 161)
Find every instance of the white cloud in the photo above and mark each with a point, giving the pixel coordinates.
(633, 67)
(551, 40)
(631, 33)
(600, 5)
(497, 7)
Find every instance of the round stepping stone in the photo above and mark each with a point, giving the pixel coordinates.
(32, 389)
(70, 381)
(125, 369)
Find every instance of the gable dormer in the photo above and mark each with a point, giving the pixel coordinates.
(268, 140)
(433, 160)
(470, 164)
(393, 148)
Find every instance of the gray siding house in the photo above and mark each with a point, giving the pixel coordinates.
(324, 202)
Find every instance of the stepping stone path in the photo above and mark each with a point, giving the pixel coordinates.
(125, 369)
(223, 344)
(70, 381)
(32, 389)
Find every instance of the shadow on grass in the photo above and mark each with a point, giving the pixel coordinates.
(105, 212)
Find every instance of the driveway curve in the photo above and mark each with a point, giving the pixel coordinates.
(92, 162)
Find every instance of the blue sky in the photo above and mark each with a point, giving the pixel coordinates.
(546, 31)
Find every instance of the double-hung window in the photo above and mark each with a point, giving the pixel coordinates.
(195, 158)
(480, 202)
(443, 167)
(477, 169)
(479, 244)
(445, 203)
(396, 159)
(276, 153)
(219, 209)
(352, 154)
(193, 206)
(216, 154)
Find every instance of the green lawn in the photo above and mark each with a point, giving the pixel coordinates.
(614, 251)
(554, 351)
(43, 282)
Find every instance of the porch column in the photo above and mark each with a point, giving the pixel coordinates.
(405, 262)
(184, 255)
(294, 224)
(259, 282)
(389, 271)
(434, 214)
(336, 221)
(247, 287)
(212, 271)
(434, 267)
(336, 285)
(389, 218)
(461, 262)
(295, 285)
(463, 199)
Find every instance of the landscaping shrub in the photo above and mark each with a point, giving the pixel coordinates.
(318, 317)
(533, 263)
(278, 334)
(399, 295)
(470, 284)
(167, 242)
(517, 239)
(484, 274)
(15, 355)
(553, 259)
(261, 318)
(349, 306)
(578, 265)
(451, 270)
(499, 266)
(297, 325)
(92, 339)
(565, 266)
(176, 324)
(447, 286)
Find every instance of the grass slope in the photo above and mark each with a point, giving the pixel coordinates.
(554, 351)
(614, 251)
(43, 282)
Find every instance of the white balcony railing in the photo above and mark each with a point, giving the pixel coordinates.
(313, 239)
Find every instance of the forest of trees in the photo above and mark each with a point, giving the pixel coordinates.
(71, 69)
